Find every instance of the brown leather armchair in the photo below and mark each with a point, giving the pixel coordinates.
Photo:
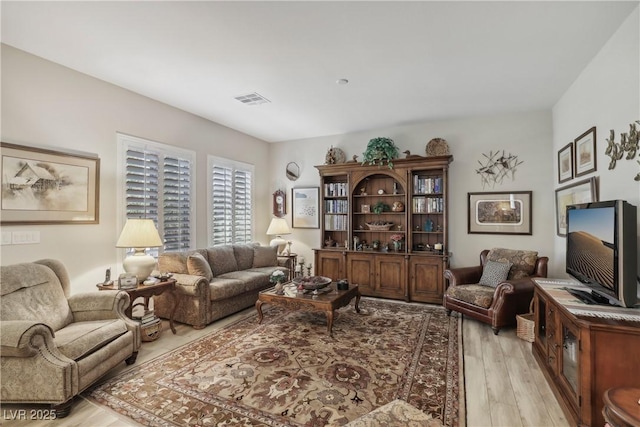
(496, 306)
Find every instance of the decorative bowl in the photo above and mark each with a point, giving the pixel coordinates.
(312, 282)
(379, 227)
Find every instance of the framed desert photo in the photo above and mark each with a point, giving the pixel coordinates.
(500, 213)
(585, 191)
(305, 207)
(585, 153)
(42, 186)
(565, 163)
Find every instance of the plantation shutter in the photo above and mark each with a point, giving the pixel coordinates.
(158, 186)
(231, 203)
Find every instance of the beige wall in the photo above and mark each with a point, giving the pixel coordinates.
(527, 135)
(45, 104)
(605, 95)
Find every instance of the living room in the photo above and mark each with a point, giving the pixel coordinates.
(46, 104)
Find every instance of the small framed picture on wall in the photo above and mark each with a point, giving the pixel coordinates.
(565, 163)
(584, 153)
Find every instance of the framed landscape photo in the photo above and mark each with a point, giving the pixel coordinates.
(565, 163)
(305, 207)
(42, 186)
(500, 213)
(585, 191)
(584, 149)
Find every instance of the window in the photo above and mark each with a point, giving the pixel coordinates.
(158, 184)
(230, 204)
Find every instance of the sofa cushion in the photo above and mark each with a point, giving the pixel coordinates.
(223, 288)
(252, 280)
(494, 273)
(222, 259)
(82, 338)
(176, 262)
(524, 262)
(198, 266)
(265, 256)
(244, 255)
(479, 295)
(33, 292)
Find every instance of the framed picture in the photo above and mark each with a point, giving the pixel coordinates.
(565, 163)
(584, 153)
(585, 191)
(41, 186)
(500, 213)
(305, 207)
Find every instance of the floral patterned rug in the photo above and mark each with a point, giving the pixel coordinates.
(289, 372)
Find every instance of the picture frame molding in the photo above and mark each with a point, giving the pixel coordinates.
(15, 216)
(523, 228)
(587, 139)
(565, 153)
(589, 185)
(305, 214)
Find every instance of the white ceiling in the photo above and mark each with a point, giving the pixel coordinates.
(406, 62)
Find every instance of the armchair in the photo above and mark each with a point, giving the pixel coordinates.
(500, 297)
(54, 345)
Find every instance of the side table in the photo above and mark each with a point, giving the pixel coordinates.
(290, 261)
(146, 292)
(622, 406)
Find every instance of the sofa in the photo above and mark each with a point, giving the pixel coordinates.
(497, 289)
(55, 345)
(215, 282)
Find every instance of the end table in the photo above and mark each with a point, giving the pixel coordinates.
(146, 292)
(290, 261)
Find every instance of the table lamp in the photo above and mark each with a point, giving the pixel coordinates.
(139, 234)
(278, 227)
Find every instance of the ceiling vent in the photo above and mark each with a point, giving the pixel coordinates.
(252, 99)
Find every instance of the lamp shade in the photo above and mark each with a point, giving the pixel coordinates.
(278, 227)
(139, 233)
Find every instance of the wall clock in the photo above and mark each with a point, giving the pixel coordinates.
(279, 204)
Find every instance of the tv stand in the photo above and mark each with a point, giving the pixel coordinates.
(588, 297)
(582, 357)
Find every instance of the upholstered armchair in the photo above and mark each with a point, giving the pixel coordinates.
(497, 289)
(55, 345)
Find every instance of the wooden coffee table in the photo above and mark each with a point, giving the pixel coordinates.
(327, 302)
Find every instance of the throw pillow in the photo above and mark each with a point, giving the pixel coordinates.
(198, 266)
(524, 262)
(494, 273)
(265, 256)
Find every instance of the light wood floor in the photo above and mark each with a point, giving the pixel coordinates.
(503, 383)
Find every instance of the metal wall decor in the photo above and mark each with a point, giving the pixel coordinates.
(629, 144)
(497, 167)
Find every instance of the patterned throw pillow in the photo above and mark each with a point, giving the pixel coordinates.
(524, 262)
(198, 266)
(494, 273)
(265, 256)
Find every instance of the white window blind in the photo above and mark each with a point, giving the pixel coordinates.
(158, 185)
(231, 214)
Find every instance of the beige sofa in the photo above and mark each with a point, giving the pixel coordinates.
(55, 345)
(216, 282)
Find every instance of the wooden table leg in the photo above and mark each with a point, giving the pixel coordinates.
(174, 296)
(330, 322)
(357, 307)
(259, 310)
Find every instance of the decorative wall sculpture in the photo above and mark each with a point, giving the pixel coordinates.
(629, 144)
(497, 167)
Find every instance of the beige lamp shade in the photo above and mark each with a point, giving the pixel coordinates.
(139, 234)
(278, 227)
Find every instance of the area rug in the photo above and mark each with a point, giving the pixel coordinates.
(289, 372)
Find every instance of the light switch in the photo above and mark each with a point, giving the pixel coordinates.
(25, 237)
(6, 237)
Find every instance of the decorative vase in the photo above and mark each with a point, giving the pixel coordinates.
(397, 245)
(279, 288)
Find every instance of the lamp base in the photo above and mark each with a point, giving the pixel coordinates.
(140, 263)
(279, 242)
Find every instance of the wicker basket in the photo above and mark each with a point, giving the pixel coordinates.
(151, 332)
(379, 227)
(526, 325)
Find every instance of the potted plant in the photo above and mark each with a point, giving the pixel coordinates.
(380, 150)
(380, 207)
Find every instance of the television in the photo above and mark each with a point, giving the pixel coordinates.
(602, 250)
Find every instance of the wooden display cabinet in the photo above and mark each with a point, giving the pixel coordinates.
(358, 241)
(582, 357)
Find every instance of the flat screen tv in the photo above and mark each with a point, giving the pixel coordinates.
(602, 250)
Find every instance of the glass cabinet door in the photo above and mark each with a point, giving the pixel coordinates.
(570, 356)
(541, 322)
